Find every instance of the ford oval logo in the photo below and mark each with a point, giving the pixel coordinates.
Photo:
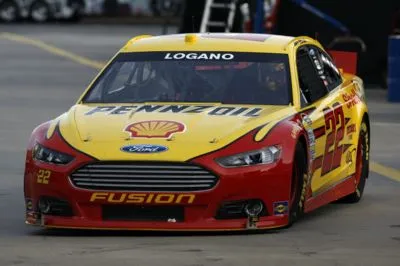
(144, 148)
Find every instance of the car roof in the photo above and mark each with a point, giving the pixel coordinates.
(233, 42)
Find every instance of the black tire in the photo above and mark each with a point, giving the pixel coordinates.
(299, 184)
(40, 11)
(363, 159)
(9, 11)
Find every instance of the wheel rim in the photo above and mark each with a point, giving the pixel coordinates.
(294, 183)
(39, 13)
(9, 13)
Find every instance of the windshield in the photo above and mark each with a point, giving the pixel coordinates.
(216, 77)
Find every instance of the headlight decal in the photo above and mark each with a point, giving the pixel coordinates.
(265, 155)
(43, 154)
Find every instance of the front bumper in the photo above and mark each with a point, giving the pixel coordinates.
(201, 225)
(270, 184)
(200, 210)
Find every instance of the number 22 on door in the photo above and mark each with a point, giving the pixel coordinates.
(334, 124)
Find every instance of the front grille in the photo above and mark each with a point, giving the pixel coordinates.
(143, 213)
(143, 176)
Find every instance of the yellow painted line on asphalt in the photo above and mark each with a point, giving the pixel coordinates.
(385, 171)
(380, 169)
(53, 50)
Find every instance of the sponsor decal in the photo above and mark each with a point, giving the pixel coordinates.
(351, 129)
(311, 142)
(43, 176)
(29, 205)
(178, 109)
(144, 148)
(281, 208)
(155, 129)
(349, 156)
(295, 131)
(142, 198)
(307, 122)
(199, 56)
(352, 99)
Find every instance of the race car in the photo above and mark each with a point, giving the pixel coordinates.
(195, 132)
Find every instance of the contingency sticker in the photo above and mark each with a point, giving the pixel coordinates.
(281, 208)
(29, 204)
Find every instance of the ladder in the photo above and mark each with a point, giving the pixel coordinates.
(227, 24)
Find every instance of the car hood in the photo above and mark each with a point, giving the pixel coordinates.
(186, 131)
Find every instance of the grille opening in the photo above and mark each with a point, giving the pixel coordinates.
(143, 176)
(143, 213)
(56, 206)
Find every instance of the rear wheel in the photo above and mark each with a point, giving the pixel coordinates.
(362, 165)
(298, 184)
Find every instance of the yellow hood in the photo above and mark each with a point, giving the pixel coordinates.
(186, 130)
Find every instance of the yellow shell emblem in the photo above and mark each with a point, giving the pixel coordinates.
(154, 129)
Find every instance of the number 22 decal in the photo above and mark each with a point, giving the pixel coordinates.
(335, 122)
(43, 176)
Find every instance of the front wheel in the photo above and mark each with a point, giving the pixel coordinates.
(298, 184)
(362, 165)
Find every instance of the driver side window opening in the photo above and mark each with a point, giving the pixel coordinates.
(312, 86)
(330, 72)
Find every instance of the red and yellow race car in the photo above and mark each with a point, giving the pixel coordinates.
(202, 132)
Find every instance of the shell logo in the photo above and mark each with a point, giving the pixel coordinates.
(155, 129)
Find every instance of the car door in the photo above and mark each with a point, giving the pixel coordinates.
(322, 111)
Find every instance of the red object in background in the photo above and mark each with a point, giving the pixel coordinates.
(345, 60)
(269, 21)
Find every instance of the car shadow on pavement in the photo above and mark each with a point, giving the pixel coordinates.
(133, 233)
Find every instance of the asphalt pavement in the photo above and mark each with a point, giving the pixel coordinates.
(37, 84)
